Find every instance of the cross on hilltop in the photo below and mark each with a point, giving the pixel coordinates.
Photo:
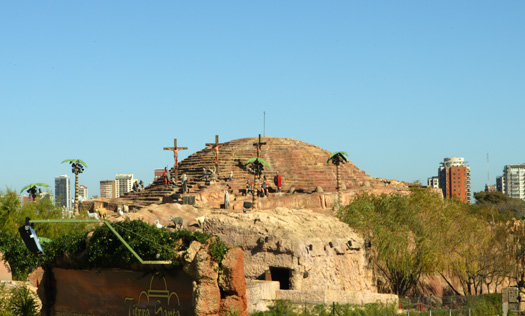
(175, 150)
(216, 146)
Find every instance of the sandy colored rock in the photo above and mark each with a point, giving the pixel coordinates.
(207, 299)
(320, 251)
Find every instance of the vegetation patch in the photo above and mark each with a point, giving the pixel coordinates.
(89, 246)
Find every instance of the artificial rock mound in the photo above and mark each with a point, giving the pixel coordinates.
(313, 257)
(302, 167)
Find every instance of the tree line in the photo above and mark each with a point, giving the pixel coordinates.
(475, 248)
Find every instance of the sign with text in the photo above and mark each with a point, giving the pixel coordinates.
(120, 292)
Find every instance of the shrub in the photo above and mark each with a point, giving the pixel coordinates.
(23, 302)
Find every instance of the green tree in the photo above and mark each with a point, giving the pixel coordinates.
(13, 215)
(338, 158)
(77, 167)
(403, 247)
(502, 203)
(10, 206)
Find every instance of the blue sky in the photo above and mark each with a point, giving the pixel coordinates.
(398, 85)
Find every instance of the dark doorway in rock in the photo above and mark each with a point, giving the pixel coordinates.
(282, 275)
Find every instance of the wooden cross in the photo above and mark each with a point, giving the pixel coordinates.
(175, 150)
(259, 144)
(216, 146)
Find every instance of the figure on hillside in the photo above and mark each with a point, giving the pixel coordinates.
(226, 198)
(141, 186)
(204, 174)
(212, 174)
(184, 181)
(248, 186)
(277, 181)
(231, 176)
(166, 176)
(135, 186)
(264, 187)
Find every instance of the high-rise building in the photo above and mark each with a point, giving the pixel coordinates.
(454, 179)
(107, 189)
(82, 193)
(63, 191)
(123, 183)
(513, 182)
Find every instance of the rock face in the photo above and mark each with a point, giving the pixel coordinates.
(312, 256)
(320, 251)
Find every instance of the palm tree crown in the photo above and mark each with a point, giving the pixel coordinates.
(338, 158)
(77, 167)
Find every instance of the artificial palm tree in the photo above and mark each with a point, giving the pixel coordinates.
(337, 159)
(257, 165)
(32, 189)
(77, 167)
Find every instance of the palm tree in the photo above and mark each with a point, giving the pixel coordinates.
(337, 159)
(32, 189)
(77, 167)
(257, 165)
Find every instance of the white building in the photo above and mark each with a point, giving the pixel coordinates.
(123, 183)
(63, 191)
(513, 181)
(433, 182)
(82, 193)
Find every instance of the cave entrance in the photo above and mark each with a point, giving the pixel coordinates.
(282, 275)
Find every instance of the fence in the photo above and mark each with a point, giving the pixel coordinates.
(481, 305)
(487, 304)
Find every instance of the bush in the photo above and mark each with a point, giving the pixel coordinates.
(23, 302)
(20, 260)
(287, 308)
(19, 301)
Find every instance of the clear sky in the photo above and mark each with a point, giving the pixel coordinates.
(398, 85)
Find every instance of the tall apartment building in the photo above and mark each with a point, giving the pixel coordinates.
(123, 183)
(82, 193)
(107, 189)
(513, 181)
(454, 179)
(63, 191)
